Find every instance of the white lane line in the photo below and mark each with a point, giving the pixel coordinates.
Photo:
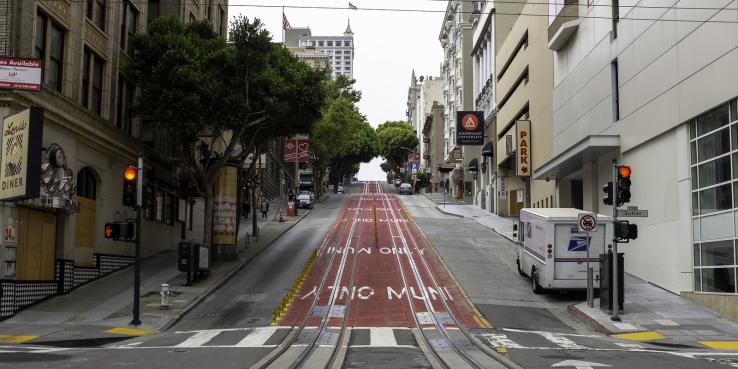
(561, 341)
(257, 338)
(199, 338)
(373, 346)
(382, 337)
(500, 340)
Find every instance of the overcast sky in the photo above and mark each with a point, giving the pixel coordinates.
(388, 46)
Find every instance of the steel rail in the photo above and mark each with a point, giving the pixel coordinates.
(290, 339)
(485, 349)
(422, 332)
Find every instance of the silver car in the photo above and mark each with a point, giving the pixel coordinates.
(406, 188)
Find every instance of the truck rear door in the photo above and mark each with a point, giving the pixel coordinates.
(570, 251)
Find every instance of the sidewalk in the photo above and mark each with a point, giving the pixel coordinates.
(100, 311)
(661, 317)
(501, 225)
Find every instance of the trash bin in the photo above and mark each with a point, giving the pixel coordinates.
(291, 210)
(607, 282)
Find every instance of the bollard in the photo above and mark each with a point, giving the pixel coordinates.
(164, 305)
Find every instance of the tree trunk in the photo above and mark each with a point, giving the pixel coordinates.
(208, 226)
(254, 226)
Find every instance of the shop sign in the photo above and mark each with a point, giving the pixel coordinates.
(470, 128)
(503, 188)
(20, 166)
(20, 74)
(523, 155)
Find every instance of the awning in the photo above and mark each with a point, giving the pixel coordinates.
(576, 157)
(487, 150)
(473, 165)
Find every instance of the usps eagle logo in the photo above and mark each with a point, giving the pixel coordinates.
(578, 243)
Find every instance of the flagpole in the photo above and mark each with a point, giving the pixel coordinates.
(284, 41)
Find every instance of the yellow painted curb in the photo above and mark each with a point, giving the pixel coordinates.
(721, 345)
(16, 339)
(131, 331)
(484, 323)
(641, 336)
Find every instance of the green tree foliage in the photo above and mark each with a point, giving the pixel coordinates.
(220, 101)
(395, 138)
(342, 138)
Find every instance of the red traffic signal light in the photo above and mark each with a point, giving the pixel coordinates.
(110, 231)
(624, 173)
(130, 174)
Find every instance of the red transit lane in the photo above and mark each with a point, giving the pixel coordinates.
(374, 263)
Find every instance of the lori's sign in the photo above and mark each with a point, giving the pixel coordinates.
(20, 166)
(522, 132)
(20, 74)
(470, 128)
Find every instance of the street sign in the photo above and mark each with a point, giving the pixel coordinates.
(587, 222)
(634, 213)
(414, 168)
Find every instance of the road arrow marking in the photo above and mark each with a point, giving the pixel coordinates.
(578, 364)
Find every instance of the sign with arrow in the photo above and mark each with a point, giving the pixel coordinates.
(523, 155)
(578, 364)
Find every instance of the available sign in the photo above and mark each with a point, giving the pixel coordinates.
(470, 128)
(522, 132)
(20, 74)
(20, 146)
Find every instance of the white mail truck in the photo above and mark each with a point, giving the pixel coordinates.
(552, 251)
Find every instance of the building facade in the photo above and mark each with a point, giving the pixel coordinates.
(483, 55)
(457, 73)
(660, 96)
(524, 77)
(339, 49)
(433, 141)
(422, 94)
(89, 136)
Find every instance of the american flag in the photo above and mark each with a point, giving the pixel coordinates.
(285, 23)
(353, 7)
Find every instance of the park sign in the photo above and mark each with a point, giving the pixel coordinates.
(20, 166)
(522, 132)
(470, 128)
(20, 74)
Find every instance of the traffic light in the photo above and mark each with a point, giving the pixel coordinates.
(120, 230)
(623, 184)
(625, 231)
(607, 189)
(130, 176)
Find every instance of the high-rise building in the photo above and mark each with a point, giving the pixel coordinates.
(339, 49)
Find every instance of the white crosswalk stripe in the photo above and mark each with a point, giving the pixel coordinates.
(199, 338)
(257, 338)
(382, 337)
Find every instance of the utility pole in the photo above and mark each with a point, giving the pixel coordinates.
(615, 278)
(137, 264)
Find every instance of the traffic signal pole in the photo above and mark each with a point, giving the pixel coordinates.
(137, 264)
(616, 283)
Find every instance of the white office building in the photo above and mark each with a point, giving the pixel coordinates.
(339, 49)
(658, 94)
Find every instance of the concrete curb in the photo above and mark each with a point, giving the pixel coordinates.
(226, 277)
(478, 222)
(574, 310)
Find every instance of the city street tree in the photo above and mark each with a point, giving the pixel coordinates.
(219, 101)
(397, 139)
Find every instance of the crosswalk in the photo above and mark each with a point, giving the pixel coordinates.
(268, 337)
(510, 338)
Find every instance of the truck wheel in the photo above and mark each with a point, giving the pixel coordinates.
(537, 289)
(520, 270)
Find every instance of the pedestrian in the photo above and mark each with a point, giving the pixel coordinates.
(264, 208)
(246, 209)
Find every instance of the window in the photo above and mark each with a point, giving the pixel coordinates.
(124, 117)
(615, 91)
(96, 12)
(329, 43)
(149, 203)
(159, 205)
(312, 43)
(615, 18)
(169, 211)
(154, 9)
(86, 184)
(346, 43)
(92, 78)
(320, 43)
(223, 24)
(49, 48)
(128, 25)
(714, 168)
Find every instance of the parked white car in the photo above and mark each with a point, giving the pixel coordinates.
(305, 200)
(339, 189)
(406, 188)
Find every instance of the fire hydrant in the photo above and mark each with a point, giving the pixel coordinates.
(164, 305)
